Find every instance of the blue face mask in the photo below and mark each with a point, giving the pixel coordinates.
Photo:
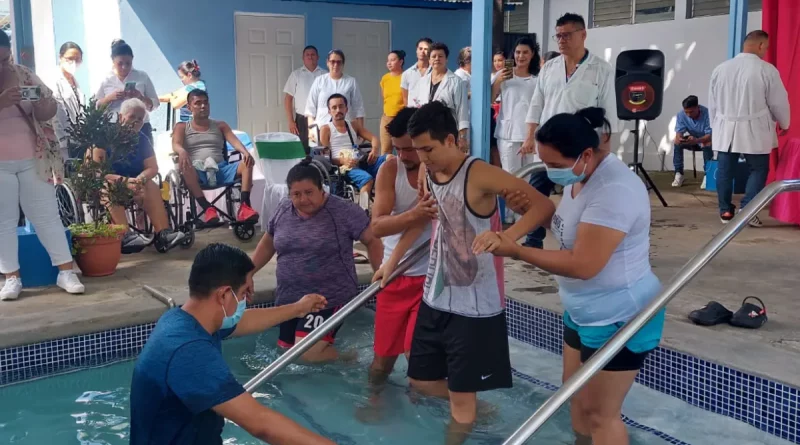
(233, 320)
(565, 176)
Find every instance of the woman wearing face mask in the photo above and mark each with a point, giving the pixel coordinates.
(313, 232)
(392, 95)
(29, 162)
(603, 267)
(125, 82)
(443, 85)
(67, 92)
(514, 87)
(335, 81)
(189, 73)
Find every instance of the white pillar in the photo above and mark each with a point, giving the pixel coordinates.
(101, 26)
(44, 39)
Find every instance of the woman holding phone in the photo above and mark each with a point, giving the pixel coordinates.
(125, 82)
(29, 163)
(514, 87)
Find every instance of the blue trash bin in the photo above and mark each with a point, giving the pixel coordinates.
(35, 267)
(740, 175)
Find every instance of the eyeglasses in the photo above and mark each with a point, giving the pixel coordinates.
(565, 35)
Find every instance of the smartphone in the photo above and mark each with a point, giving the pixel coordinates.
(509, 64)
(130, 86)
(29, 93)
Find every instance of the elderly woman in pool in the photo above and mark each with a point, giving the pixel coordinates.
(602, 267)
(313, 232)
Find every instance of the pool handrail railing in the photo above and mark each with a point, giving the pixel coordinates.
(600, 358)
(328, 325)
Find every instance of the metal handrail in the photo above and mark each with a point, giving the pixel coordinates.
(328, 325)
(617, 342)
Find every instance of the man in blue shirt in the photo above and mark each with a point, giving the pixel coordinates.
(182, 389)
(692, 131)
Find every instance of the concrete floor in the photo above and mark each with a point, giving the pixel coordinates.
(757, 263)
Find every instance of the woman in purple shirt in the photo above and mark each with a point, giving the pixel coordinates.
(313, 234)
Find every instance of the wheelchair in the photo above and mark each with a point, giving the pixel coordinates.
(180, 196)
(339, 184)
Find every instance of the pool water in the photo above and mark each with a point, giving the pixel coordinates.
(90, 407)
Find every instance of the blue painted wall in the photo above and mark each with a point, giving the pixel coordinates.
(164, 33)
(69, 28)
(24, 30)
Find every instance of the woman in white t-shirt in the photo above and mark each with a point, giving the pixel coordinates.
(602, 267)
(325, 85)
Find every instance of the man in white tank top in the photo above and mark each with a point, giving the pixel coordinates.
(460, 342)
(397, 207)
(341, 137)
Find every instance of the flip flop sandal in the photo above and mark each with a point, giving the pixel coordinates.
(750, 315)
(711, 314)
(360, 258)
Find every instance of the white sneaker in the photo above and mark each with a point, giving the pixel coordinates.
(11, 289)
(678, 180)
(703, 184)
(69, 281)
(755, 222)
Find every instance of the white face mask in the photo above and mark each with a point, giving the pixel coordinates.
(71, 67)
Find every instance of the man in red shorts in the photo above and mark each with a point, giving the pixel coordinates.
(398, 206)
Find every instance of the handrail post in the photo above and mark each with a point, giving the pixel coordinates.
(618, 341)
(328, 325)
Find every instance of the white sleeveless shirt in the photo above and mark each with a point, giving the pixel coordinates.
(458, 281)
(405, 198)
(342, 141)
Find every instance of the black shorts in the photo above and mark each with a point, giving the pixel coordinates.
(300, 327)
(625, 360)
(471, 353)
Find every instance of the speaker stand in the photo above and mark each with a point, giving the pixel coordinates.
(639, 169)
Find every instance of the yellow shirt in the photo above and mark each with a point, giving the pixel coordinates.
(392, 97)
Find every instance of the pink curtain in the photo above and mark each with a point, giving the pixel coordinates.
(781, 19)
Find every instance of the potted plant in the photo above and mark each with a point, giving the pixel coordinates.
(96, 241)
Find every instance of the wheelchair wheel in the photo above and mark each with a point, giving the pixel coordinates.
(245, 232)
(68, 209)
(188, 241)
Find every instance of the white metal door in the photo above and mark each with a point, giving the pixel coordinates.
(365, 45)
(268, 48)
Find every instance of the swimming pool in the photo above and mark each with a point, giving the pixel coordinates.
(90, 407)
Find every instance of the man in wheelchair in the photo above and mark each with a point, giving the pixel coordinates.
(199, 145)
(138, 169)
(339, 137)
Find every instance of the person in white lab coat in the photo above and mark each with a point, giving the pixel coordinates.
(464, 71)
(746, 97)
(515, 89)
(443, 85)
(423, 66)
(577, 79)
(296, 92)
(335, 81)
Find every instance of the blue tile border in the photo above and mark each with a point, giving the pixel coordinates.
(769, 406)
(627, 420)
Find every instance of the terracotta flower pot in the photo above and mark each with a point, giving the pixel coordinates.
(98, 256)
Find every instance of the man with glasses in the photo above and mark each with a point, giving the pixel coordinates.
(575, 80)
(297, 87)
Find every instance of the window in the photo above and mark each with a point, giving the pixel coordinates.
(703, 8)
(626, 12)
(516, 20)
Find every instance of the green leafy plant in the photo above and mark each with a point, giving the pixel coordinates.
(95, 129)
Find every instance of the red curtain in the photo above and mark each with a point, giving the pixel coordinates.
(781, 20)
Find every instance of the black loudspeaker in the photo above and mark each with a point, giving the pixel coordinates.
(640, 84)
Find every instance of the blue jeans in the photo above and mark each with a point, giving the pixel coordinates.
(677, 157)
(759, 169)
(544, 185)
(361, 177)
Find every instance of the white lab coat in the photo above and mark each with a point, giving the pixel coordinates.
(592, 85)
(323, 87)
(745, 98)
(452, 92)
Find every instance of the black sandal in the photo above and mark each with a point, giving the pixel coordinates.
(749, 315)
(711, 314)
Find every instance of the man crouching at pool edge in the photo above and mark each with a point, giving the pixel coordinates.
(182, 389)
